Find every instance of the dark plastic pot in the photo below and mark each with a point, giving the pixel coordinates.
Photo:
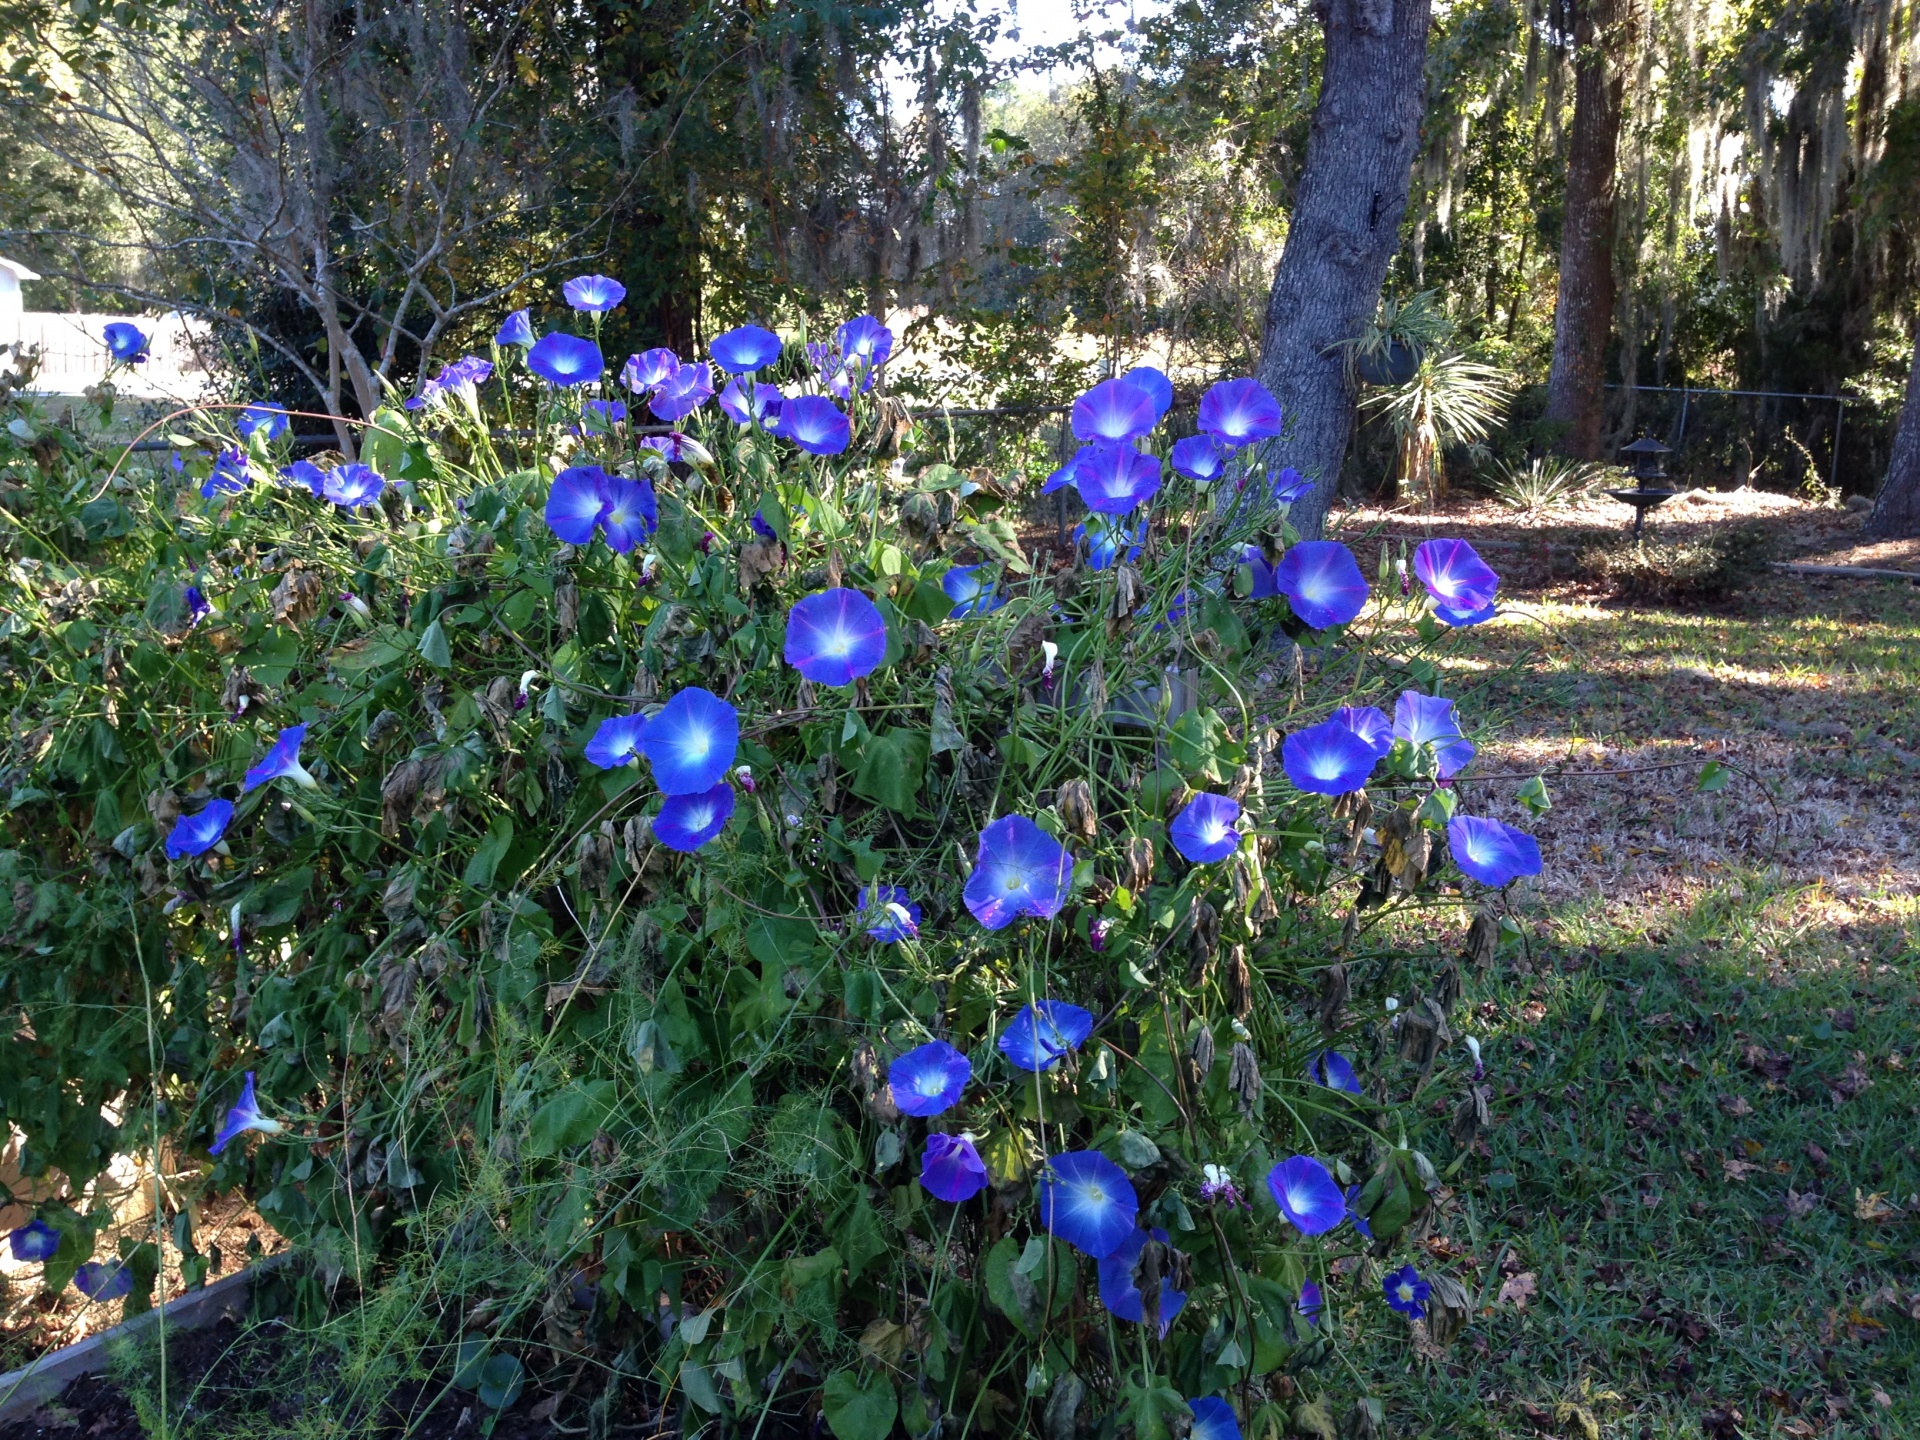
(1394, 364)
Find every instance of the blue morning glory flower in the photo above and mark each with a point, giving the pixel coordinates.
(1264, 583)
(649, 370)
(632, 513)
(1155, 383)
(951, 1169)
(1120, 1290)
(835, 637)
(565, 359)
(98, 1281)
(691, 742)
(1290, 485)
(1335, 1071)
(1203, 831)
(1238, 412)
(1428, 720)
(686, 822)
(1407, 1292)
(929, 1079)
(461, 377)
(197, 604)
(198, 833)
(576, 503)
(895, 917)
(1114, 411)
(744, 350)
(282, 762)
(1307, 1194)
(973, 589)
(230, 475)
(1199, 458)
(1311, 1304)
(1323, 583)
(683, 392)
(1045, 1033)
(677, 445)
(270, 421)
(598, 417)
(1491, 852)
(352, 486)
(595, 294)
(745, 401)
(1327, 759)
(1370, 723)
(305, 473)
(815, 424)
(860, 347)
(516, 329)
(125, 343)
(245, 1115)
(757, 523)
(1213, 1419)
(1068, 473)
(1019, 869)
(1117, 478)
(1460, 582)
(36, 1241)
(1087, 1201)
(616, 741)
(1110, 541)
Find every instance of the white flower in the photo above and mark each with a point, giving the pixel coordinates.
(1052, 653)
(527, 677)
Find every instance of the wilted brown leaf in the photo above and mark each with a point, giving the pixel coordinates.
(1736, 1105)
(1519, 1290)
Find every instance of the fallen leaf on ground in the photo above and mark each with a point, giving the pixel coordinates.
(1737, 1170)
(1799, 1205)
(1519, 1290)
(1736, 1105)
(1874, 1208)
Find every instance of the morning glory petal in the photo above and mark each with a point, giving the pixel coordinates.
(1327, 759)
(595, 294)
(951, 1169)
(1370, 724)
(1114, 411)
(632, 513)
(683, 392)
(34, 1241)
(1155, 382)
(1200, 458)
(1455, 576)
(1406, 1292)
(101, 1281)
(1335, 1071)
(245, 1115)
(686, 822)
(1322, 582)
(973, 590)
(895, 916)
(565, 359)
(268, 421)
(576, 503)
(1087, 1201)
(1044, 1033)
(282, 762)
(198, 833)
(835, 637)
(1204, 831)
(650, 369)
(815, 424)
(1491, 852)
(125, 343)
(1019, 869)
(1429, 720)
(352, 486)
(743, 350)
(692, 742)
(1238, 412)
(1116, 479)
(616, 741)
(516, 329)
(929, 1079)
(1120, 1286)
(1213, 1419)
(1307, 1194)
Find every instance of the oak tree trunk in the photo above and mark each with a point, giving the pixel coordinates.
(1343, 232)
(1896, 510)
(1583, 317)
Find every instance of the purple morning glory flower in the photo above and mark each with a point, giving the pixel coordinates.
(1358, 1220)
(458, 377)
(1116, 479)
(577, 502)
(650, 369)
(1289, 485)
(1238, 412)
(352, 486)
(1265, 583)
(973, 590)
(1199, 458)
(1428, 720)
(198, 833)
(1307, 1194)
(1110, 541)
(951, 1169)
(896, 917)
(1311, 1304)
(1335, 1071)
(1120, 1290)
(1407, 1292)
(683, 392)
(1493, 853)
(245, 1115)
(1045, 1033)
(1327, 759)
(836, 637)
(631, 514)
(757, 523)
(686, 822)
(1018, 870)
(1370, 724)
(307, 475)
(860, 347)
(36, 1241)
(617, 741)
(1087, 1201)
(1203, 831)
(1323, 583)
(230, 475)
(600, 416)
(929, 1079)
(1114, 411)
(744, 350)
(565, 359)
(815, 424)
(745, 401)
(125, 343)
(595, 294)
(1069, 473)
(1213, 1419)
(99, 1281)
(516, 329)
(691, 742)
(1460, 582)
(680, 446)
(269, 421)
(197, 605)
(282, 762)
(1155, 383)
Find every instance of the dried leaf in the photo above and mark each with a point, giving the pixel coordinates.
(1519, 1290)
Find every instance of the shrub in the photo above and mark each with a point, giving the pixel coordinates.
(1546, 482)
(1708, 568)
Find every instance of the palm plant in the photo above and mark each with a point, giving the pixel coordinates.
(1451, 400)
(1546, 482)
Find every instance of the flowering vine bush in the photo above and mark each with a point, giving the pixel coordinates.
(698, 898)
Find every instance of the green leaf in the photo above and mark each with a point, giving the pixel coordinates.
(569, 1119)
(893, 766)
(490, 852)
(501, 1380)
(384, 444)
(1713, 777)
(434, 648)
(997, 538)
(271, 658)
(859, 1407)
(698, 1383)
(1533, 795)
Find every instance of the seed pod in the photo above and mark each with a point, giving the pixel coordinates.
(1139, 864)
(1243, 1078)
(1203, 939)
(1202, 1053)
(1074, 805)
(1237, 981)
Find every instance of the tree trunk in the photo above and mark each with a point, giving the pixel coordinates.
(1583, 317)
(1896, 510)
(1343, 232)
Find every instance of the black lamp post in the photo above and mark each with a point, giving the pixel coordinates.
(1649, 469)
